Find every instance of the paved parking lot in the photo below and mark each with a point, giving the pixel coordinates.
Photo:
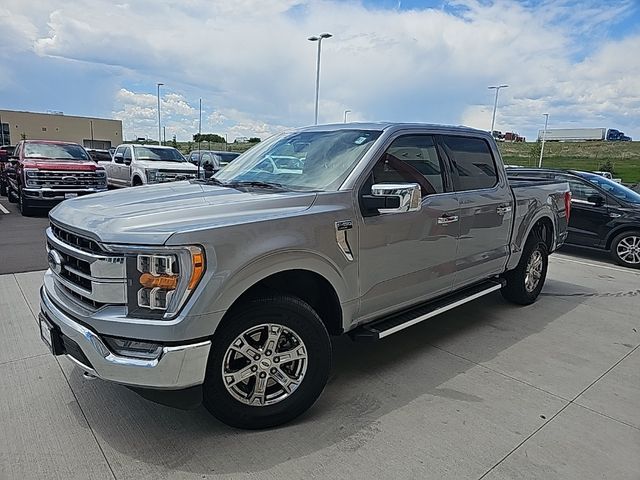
(21, 239)
(486, 391)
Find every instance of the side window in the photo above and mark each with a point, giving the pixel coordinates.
(118, 150)
(127, 153)
(581, 190)
(473, 162)
(206, 161)
(411, 158)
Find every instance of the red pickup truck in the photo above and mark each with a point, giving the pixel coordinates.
(42, 173)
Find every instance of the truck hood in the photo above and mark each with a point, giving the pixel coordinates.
(150, 214)
(52, 164)
(159, 165)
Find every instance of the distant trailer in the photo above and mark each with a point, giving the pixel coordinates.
(573, 134)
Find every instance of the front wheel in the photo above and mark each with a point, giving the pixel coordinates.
(625, 249)
(25, 210)
(525, 282)
(269, 362)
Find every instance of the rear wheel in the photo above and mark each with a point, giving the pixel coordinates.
(525, 282)
(269, 362)
(625, 249)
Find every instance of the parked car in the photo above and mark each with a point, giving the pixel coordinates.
(225, 290)
(210, 161)
(605, 214)
(99, 155)
(44, 172)
(134, 165)
(6, 151)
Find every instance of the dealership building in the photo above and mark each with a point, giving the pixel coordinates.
(90, 132)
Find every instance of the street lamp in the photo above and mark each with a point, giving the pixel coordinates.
(495, 104)
(544, 136)
(159, 129)
(346, 112)
(318, 39)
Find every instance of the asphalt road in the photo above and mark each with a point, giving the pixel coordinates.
(22, 241)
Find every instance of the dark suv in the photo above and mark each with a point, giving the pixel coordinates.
(6, 151)
(604, 214)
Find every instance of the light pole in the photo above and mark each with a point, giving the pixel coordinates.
(318, 39)
(346, 112)
(159, 129)
(544, 136)
(495, 104)
(199, 139)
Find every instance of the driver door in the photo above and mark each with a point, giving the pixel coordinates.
(409, 257)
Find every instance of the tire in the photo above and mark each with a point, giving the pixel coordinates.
(11, 196)
(24, 210)
(625, 249)
(136, 182)
(3, 189)
(522, 285)
(299, 331)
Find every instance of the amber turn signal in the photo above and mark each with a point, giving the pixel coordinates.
(167, 282)
(197, 260)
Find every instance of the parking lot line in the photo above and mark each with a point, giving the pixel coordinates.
(597, 265)
(3, 209)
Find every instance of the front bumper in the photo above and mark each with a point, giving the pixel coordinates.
(49, 197)
(175, 368)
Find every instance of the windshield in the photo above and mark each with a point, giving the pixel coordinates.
(613, 188)
(160, 154)
(302, 160)
(55, 150)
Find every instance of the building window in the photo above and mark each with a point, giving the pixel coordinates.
(44, 129)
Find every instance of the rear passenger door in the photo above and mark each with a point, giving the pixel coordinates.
(486, 209)
(588, 221)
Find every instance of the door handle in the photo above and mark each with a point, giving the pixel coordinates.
(503, 209)
(615, 215)
(447, 219)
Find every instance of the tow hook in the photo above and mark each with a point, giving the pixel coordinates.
(88, 376)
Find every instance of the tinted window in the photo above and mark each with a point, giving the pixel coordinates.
(581, 190)
(615, 189)
(473, 162)
(411, 158)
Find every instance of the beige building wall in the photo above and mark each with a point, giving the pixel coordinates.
(45, 126)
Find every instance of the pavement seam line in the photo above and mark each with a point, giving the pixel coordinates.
(93, 433)
(571, 402)
(605, 415)
(7, 362)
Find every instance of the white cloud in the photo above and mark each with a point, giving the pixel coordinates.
(251, 60)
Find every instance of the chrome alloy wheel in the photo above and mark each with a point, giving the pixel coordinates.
(533, 272)
(628, 249)
(264, 365)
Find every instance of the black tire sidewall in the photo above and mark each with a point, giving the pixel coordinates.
(614, 248)
(292, 313)
(515, 290)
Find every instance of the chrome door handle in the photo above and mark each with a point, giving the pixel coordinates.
(503, 209)
(615, 215)
(447, 219)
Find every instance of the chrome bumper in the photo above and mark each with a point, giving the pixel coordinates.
(59, 193)
(176, 367)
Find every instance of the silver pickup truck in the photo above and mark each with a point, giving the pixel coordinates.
(226, 290)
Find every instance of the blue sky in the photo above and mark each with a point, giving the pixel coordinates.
(250, 62)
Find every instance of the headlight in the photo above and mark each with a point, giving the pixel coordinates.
(31, 172)
(160, 280)
(152, 176)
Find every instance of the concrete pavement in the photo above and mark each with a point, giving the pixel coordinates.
(490, 390)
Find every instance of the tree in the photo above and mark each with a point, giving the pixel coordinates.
(208, 137)
(254, 140)
(607, 166)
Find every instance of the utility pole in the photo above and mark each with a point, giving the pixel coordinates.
(495, 104)
(199, 139)
(91, 125)
(544, 136)
(159, 132)
(164, 134)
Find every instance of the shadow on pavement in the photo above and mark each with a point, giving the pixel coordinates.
(368, 381)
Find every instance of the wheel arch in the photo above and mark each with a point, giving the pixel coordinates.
(627, 227)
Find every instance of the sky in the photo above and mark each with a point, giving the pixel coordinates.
(388, 60)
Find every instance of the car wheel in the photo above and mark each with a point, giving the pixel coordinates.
(3, 188)
(25, 210)
(625, 249)
(525, 282)
(11, 195)
(269, 362)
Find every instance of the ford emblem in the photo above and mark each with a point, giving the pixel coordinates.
(55, 261)
(69, 179)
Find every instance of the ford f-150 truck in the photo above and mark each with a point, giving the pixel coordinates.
(134, 165)
(43, 173)
(226, 290)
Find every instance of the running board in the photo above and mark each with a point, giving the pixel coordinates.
(399, 321)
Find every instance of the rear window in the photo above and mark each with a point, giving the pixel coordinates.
(473, 162)
(56, 151)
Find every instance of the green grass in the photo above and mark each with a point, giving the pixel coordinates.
(589, 156)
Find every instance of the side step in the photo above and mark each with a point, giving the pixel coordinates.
(399, 321)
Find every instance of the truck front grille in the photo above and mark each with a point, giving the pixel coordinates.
(174, 175)
(87, 273)
(66, 180)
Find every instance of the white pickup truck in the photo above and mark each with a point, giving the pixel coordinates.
(134, 165)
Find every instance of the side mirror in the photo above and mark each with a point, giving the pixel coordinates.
(394, 197)
(118, 158)
(597, 200)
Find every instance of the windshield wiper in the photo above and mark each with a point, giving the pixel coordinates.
(257, 184)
